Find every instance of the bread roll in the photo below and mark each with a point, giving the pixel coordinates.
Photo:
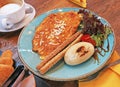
(6, 66)
(7, 53)
(5, 72)
(6, 61)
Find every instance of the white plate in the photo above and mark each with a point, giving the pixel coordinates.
(28, 17)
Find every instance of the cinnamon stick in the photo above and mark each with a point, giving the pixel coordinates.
(58, 49)
(58, 57)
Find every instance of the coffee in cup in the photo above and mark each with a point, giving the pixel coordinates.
(11, 12)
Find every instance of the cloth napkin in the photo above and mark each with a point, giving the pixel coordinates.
(32, 81)
(81, 3)
(107, 78)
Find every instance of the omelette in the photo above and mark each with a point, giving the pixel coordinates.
(54, 30)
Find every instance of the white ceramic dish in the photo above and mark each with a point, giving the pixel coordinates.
(28, 18)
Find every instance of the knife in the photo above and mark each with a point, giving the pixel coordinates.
(14, 76)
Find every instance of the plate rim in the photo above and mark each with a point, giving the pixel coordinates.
(66, 79)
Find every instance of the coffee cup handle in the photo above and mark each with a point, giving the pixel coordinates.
(28, 9)
(6, 24)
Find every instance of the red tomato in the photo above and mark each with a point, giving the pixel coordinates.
(87, 38)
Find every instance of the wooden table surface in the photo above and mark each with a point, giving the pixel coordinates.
(108, 9)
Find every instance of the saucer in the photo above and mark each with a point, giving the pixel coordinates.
(28, 18)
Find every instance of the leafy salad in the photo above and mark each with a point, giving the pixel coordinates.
(93, 30)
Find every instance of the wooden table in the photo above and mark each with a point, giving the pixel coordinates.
(108, 9)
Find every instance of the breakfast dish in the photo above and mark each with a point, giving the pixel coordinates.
(54, 67)
(54, 30)
(50, 61)
(93, 37)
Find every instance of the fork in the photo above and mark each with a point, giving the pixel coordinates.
(93, 76)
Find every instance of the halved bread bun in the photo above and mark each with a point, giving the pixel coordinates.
(6, 61)
(5, 72)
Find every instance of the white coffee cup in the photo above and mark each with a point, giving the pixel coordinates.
(11, 12)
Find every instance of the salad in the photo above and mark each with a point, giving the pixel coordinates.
(94, 31)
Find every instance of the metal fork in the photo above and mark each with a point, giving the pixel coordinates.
(93, 76)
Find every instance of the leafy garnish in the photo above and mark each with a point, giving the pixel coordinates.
(100, 37)
(93, 26)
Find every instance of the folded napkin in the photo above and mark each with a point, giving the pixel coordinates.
(28, 82)
(108, 78)
(81, 3)
(32, 81)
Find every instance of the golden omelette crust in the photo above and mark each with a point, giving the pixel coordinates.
(53, 30)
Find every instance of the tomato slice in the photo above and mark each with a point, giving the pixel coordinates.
(87, 38)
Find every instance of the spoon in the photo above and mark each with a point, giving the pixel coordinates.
(93, 76)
